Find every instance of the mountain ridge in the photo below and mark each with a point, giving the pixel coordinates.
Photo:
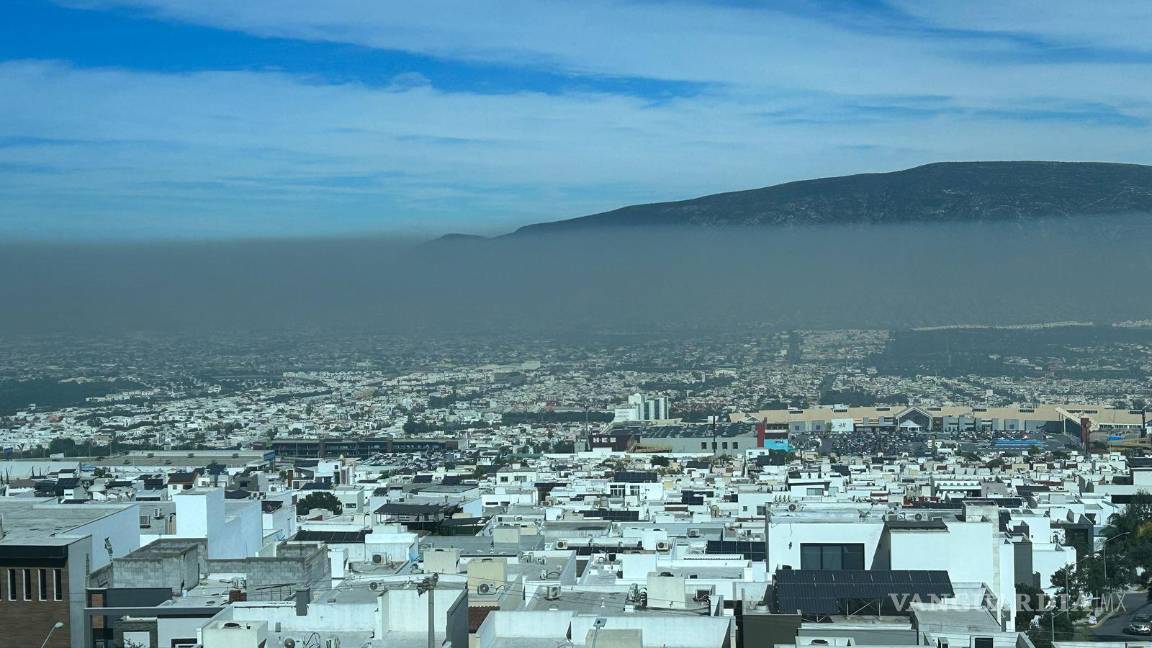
(940, 192)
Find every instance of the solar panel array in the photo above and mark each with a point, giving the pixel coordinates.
(814, 591)
(752, 550)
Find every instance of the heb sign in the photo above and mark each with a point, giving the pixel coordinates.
(843, 425)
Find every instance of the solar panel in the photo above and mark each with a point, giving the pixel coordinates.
(826, 592)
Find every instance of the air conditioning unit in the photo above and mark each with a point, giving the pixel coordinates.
(377, 559)
(561, 544)
(483, 588)
(552, 593)
(693, 533)
(662, 546)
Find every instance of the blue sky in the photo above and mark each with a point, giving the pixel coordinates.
(141, 119)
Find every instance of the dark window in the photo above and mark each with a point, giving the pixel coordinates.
(982, 642)
(12, 585)
(27, 584)
(57, 585)
(42, 580)
(703, 445)
(831, 556)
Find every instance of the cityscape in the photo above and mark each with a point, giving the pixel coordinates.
(293, 489)
(575, 324)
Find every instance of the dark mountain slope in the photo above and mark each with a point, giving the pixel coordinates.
(943, 192)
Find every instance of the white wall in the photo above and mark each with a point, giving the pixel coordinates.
(673, 631)
(405, 610)
(233, 529)
(1047, 560)
(501, 625)
(169, 628)
(971, 552)
(785, 538)
(321, 617)
(121, 528)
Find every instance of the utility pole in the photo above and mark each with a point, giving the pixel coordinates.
(428, 586)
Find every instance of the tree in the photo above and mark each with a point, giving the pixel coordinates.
(62, 445)
(1089, 576)
(1044, 618)
(319, 500)
(660, 460)
(1130, 533)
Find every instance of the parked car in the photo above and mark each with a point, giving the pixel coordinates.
(1139, 628)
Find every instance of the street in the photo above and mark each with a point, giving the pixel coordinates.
(1113, 629)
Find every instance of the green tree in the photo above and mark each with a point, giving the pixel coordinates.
(62, 445)
(321, 500)
(1129, 537)
(1044, 618)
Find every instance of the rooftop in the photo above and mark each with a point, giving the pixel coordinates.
(43, 521)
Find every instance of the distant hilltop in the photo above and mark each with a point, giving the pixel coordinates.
(945, 192)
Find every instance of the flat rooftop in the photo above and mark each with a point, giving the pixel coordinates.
(42, 521)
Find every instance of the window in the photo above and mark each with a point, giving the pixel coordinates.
(634, 491)
(724, 444)
(42, 581)
(828, 557)
(616, 490)
(703, 445)
(11, 584)
(27, 584)
(57, 585)
(735, 445)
